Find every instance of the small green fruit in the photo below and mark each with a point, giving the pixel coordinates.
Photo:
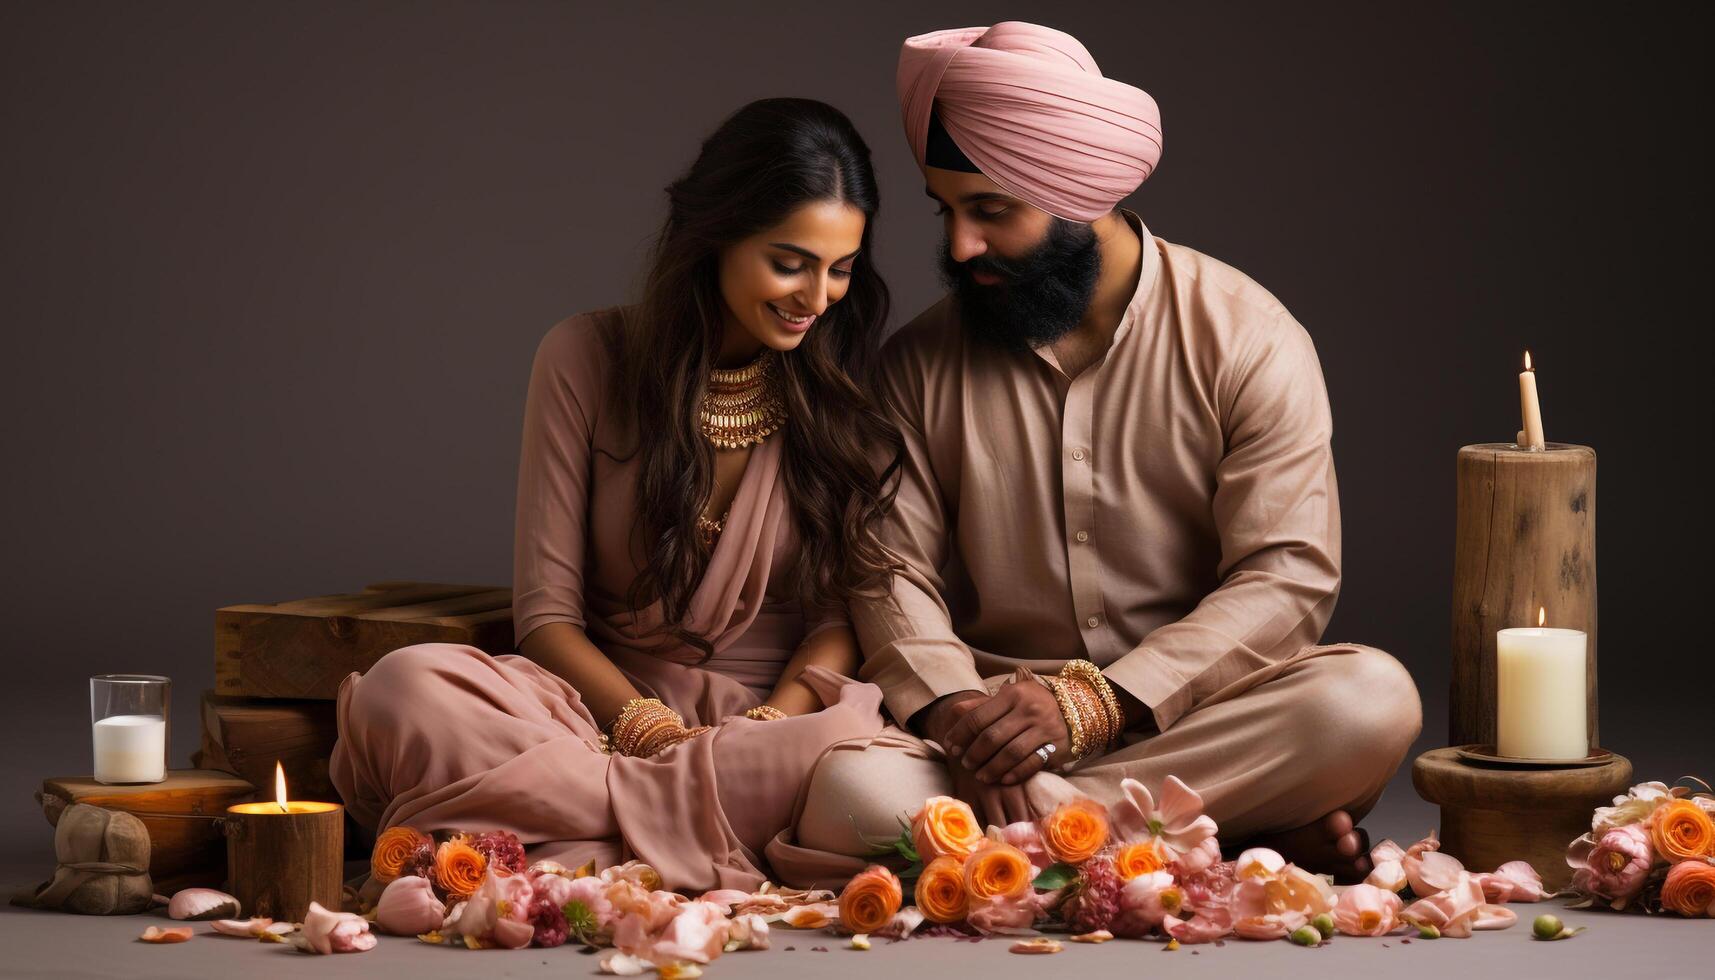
(1428, 932)
(1324, 924)
(1306, 936)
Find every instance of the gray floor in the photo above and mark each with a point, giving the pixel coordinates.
(50, 945)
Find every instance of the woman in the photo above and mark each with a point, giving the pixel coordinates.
(696, 500)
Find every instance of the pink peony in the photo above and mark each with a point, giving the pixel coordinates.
(1210, 888)
(409, 907)
(336, 932)
(1178, 821)
(1206, 927)
(1145, 901)
(1458, 911)
(1264, 927)
(547, 923)
(1614, 866)
(502, 849)
(496, 914)
(1365, 910)
(1000, 915)
(1515, 881)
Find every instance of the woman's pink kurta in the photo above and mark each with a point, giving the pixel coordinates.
(443, 736)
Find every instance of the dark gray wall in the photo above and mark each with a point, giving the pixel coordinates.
(272, 275)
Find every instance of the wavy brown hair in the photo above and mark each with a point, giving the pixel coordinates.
(842, 447)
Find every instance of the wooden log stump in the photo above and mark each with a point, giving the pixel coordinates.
(304, 648)
(280, 862)
(1525, 540)
(1491, 815)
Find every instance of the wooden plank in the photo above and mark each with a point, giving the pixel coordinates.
(306, 648)
(183, 848)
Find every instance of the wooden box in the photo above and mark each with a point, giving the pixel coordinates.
(182, 813)
(247, 736)
(304, 648)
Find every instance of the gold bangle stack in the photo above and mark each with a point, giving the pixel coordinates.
(644, 727)
(1091, 710)
(765, 712)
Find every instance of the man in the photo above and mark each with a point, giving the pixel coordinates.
(1117, 451)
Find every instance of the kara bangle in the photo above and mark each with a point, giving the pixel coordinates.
(1070, 712)
(765, 712)
(1092, 675)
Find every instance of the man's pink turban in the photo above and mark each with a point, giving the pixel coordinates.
(1028, 106)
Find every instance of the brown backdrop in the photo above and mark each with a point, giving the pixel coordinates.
(272, 275)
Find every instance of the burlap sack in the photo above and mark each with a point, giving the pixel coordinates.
(103, 865)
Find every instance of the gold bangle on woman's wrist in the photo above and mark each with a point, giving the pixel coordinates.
(765, 712)
(642, 726)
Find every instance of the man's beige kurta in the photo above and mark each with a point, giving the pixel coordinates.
(1170, 513)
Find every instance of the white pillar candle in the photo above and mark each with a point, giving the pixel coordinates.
(1539, 694)
(131, 749)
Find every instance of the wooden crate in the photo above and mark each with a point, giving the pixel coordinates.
(186, 845)
(247, 736)
(304, 648)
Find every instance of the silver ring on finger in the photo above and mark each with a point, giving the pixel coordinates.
(1045, 752)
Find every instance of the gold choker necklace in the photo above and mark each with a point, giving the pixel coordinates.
(743, 406)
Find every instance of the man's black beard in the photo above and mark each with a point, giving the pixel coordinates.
(1042, 295)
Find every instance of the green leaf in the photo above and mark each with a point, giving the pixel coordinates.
(1057, 875)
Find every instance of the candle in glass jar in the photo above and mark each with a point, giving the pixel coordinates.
(1540, 695)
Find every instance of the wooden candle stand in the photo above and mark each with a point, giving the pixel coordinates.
(1525, 540)
(280, 862)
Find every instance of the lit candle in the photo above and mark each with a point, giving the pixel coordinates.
(1531, 408)
(283, 855)
(1539, 693)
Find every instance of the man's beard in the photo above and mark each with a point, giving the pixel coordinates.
(1042, 295)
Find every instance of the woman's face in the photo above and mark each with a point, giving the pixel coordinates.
(778, 282)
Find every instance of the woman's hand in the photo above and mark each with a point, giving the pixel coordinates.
(834, 648)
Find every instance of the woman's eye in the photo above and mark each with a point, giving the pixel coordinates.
(841, 273)
(787, 270)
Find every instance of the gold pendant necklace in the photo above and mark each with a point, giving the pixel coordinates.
(742, 406)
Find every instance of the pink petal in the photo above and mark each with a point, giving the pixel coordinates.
(1493, 917)
(1180, 805)
(1387, 850)
(1432, 871)
(1131, 813)
(725, 897)
(176, 934)
(243, 928)
(1265, 927)
(1206, 927)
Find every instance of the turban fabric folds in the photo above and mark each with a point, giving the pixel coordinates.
(1030, 109)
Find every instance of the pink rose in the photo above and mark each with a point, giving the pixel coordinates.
(336, 932)
(1365, 910)
(1614, 866)
(409, 906)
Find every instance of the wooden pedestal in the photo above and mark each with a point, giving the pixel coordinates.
(1493, 815)
(306, 647)
(1525, 540)
(280, 862)
(182, 814)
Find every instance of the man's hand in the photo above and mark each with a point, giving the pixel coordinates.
(996, 738)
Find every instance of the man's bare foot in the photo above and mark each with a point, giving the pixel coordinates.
(1330, 846)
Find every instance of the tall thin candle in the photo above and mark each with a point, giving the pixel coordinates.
(1531, 408)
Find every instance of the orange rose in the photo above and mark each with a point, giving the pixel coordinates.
(1137, 859)
(1680, 829)
(870, 900)
(392, 849)
(945, 827)
(998, 870)
(1075, 830)
(941, 890)
(459, 868)
(1690, 889)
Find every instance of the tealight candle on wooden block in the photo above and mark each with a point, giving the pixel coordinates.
(1540, 693)
(281, 856)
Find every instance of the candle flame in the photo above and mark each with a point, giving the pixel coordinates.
(1527, 366)
(280, 785)
(1541, 618)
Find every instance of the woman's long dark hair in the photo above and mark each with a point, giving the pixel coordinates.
(770, 158)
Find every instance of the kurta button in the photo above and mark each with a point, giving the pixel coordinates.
(1083, 535)
(1093, 622)
(1077, 454)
